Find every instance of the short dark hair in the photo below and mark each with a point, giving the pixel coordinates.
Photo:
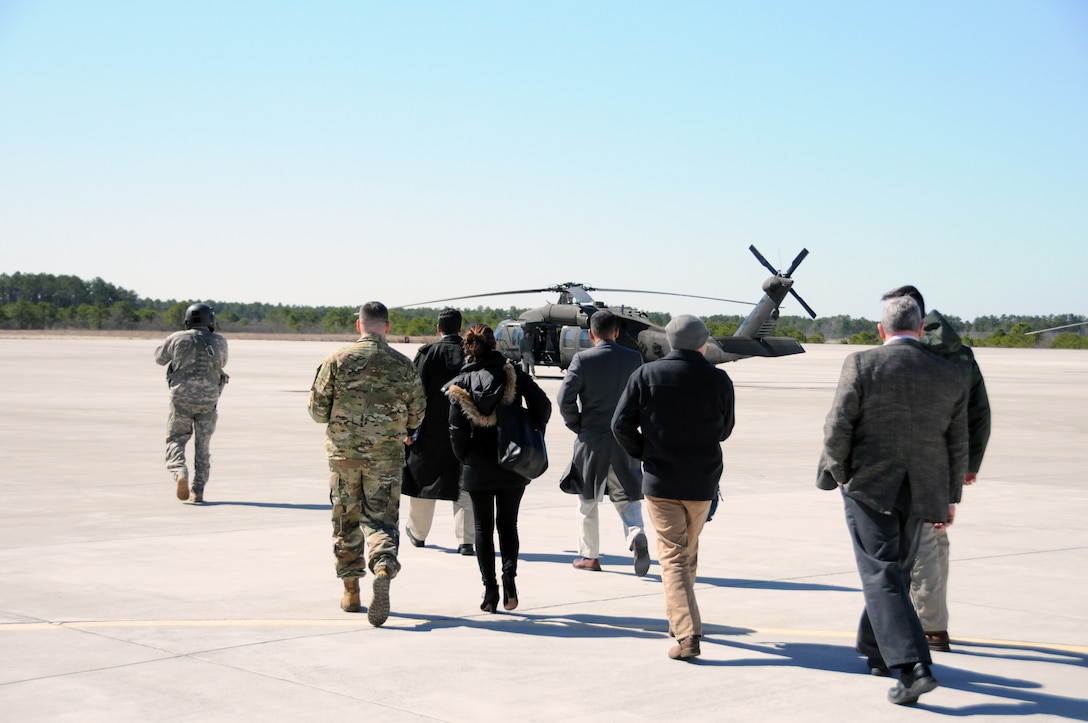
(603, 323)
(373, 311)
(908, 290)
(449, 321)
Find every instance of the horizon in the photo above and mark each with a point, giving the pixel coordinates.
(521, 309)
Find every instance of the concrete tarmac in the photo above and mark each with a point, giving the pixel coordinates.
(119, 602)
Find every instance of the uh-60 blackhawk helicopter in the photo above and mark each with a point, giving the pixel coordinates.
(556, 332)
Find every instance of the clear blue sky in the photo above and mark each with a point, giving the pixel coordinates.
(327, 153)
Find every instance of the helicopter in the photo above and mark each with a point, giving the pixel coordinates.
(556, 332)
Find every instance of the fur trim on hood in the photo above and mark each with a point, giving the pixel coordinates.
(468, 401)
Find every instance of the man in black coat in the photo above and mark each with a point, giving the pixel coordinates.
(673, 415)
(587, 399)
(432, 471)
(895, 444)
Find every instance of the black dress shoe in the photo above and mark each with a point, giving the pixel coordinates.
(416, 542)
(877, 667)
(466, 549)
(912, 684)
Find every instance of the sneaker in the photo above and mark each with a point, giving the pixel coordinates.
(197, 498)
(642, 555)
(183, 487)
(378, 612)
(587, 563)
(416, 542)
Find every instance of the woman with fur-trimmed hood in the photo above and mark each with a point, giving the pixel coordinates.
(487, 380)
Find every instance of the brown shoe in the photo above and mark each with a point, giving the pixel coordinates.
(938, 640)
(183, 487)
(350, 602)
(685, 648)
(378, 612)
(196, 498)
(587, 563)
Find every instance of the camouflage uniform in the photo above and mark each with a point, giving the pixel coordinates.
(370, 397)
(194, 362)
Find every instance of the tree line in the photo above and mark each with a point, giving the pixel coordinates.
(47, 301)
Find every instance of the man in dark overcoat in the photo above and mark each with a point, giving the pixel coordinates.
(895, 444)
(432, 472)
(587, 398)
(674, 415)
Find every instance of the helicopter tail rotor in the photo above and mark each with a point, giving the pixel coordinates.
(788, 274)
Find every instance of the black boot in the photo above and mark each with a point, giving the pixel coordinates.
(491, 598)
(509, 592)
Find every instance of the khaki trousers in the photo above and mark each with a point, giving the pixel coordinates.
(421, 516)
(589, 528)
(929, 579)
(678, 524)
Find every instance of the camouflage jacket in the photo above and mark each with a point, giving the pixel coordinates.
(371, 397)
(194, 361)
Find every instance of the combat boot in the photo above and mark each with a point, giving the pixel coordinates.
(350, 602)
(378, 612)
(183, 486)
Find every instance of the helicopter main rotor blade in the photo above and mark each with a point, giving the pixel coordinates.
(669, 293)
(796, 262)
(803, 304)
(765, 262)
(480, 296)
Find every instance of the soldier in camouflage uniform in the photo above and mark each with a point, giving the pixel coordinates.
(194, 361)
(372, 401)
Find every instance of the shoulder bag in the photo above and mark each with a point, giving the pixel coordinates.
(521, 444)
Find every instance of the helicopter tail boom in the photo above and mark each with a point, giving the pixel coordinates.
(739, 347)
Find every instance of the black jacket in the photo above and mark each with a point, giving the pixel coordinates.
(673, 415)
(940, 338)
(474, 395)
(432, 470)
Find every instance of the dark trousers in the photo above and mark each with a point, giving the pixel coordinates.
(497, 509)
(885, 547)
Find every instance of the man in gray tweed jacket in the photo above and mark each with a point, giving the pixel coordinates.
(895, 444)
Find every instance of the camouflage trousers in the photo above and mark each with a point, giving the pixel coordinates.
(365, 497)
(185, 421)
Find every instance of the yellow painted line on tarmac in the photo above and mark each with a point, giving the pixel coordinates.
(786, 633)
(84, 624)
(1056, 647)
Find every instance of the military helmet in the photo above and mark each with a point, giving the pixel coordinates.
(200, 315)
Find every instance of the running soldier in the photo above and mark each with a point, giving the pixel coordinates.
(194, 361)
